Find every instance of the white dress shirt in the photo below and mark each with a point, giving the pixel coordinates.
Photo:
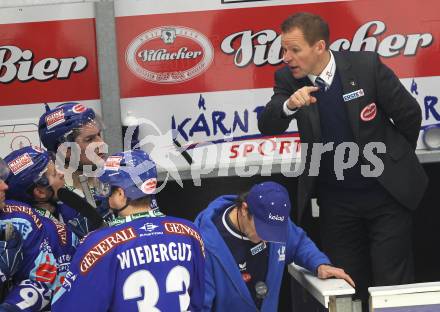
(327, 75)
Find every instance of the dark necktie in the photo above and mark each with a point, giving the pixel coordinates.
(320, 83)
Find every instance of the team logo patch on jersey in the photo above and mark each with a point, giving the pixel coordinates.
(54, 119)
(258, 248)
(242, 266)
(246, 277)
(148, 227)
(282, 253)
(149, 186)
(183, 229)
(113, 163)
(46, 271)
(79, 108)
(353, 95)
(102, 248)
(369, 112)
(20, 163)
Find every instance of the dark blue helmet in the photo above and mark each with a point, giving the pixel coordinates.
(133, 171)
(57, 124)
(27, 166)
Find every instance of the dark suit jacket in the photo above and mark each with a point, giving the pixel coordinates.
(397, 123)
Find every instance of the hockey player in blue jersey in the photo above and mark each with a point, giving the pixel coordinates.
(36, 181)
(34, 274)
(145, 261)
(35, 280)
(73, 132)
(33, 184)
(11, 243)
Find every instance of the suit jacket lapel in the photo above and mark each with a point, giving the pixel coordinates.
(349, 84)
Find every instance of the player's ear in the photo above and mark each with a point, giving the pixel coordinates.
(39, 193)
(120, 192)
(244, 209)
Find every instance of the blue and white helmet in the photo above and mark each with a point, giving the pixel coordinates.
(26, 166)
(57, 124)
(133, 171)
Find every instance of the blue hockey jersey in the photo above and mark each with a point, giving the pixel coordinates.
(47, 246)
(62, 240)
(143, 262)
(73, 219)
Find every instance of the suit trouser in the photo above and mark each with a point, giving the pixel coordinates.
(371, 240)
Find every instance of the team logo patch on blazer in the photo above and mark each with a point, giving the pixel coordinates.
(369, 112)
(353, 95)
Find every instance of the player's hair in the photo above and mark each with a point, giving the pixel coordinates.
(240, 200)
(75, 133)
(312, 26)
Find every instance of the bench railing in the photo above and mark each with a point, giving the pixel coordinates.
(334, 294)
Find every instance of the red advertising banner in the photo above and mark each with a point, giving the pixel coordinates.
(48, 61)
(237, 49)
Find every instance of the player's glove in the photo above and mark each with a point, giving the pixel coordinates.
(104, 208)
(79, 226)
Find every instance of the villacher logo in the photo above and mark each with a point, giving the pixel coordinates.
(169, 54)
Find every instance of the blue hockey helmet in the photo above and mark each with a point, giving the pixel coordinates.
(57, 124)
(133, 171)
(27, 166)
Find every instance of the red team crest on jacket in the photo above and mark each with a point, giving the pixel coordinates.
(369, 112)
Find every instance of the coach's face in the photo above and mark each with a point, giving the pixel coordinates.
(302, 58)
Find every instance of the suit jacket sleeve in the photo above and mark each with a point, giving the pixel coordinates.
(272, 119)
(397, 103)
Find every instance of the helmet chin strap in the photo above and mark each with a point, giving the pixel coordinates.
(51, 198)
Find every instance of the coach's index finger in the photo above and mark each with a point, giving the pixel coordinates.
(310, 89)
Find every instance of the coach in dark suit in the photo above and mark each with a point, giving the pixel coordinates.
(336, 97)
